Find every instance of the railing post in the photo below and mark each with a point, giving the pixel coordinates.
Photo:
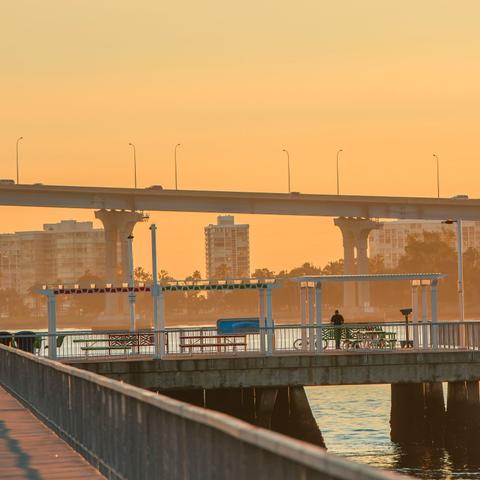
(261, 308)
(52, 325)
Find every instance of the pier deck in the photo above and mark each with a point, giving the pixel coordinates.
(30, 450)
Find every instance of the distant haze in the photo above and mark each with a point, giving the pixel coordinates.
(390, 83)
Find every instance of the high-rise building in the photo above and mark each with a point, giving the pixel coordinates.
(390, 241)
(61, 252)
(227, 248)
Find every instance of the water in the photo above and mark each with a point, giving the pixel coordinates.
(355, 424)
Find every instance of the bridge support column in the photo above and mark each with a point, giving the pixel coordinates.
(363, 293)
(118, 225)
(355, 233)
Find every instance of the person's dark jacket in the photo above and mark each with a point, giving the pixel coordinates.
(337, 319)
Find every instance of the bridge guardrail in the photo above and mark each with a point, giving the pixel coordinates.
(129, 433)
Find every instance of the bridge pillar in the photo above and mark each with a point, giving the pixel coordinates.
(118, 225)
(355, 233)
(363, 294)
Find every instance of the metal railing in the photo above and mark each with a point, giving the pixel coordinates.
(129, 433)
(282, 339)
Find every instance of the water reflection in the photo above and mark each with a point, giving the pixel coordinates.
(355, 422)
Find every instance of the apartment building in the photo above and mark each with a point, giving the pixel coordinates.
(227, 248)
(390, 241)
(61, 252)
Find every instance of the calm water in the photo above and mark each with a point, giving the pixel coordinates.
(355, 424)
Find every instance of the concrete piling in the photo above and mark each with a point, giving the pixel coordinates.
(284, 409)
(434, 414)
(407, 414)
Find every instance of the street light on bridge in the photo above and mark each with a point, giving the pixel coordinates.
(134, 163)
(338, 173)
(176, 173)
(16, 149)
(288, 168)
(461, 299)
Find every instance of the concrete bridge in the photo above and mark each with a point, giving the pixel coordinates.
(151, 199)
(129, 433)
(120, 209)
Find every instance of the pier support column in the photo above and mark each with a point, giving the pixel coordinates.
(302, 422)
(266, 399)
(407, 414)
(473, 413)
(281, 409)
(457, 414)
(118, 225)
(435, 416)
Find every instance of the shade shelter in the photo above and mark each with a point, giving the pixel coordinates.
(264, 287)
(311, 296)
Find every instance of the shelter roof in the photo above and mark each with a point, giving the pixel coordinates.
(369, 277)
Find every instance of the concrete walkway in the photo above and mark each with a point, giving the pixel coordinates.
(30, 450)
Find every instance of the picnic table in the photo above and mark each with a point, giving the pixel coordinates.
(354, 337)
(220, 343)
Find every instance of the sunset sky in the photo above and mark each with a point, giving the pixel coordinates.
(389, 82)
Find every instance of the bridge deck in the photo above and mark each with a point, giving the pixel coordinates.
(30, 450)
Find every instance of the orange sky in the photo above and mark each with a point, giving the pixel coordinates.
(389, 82)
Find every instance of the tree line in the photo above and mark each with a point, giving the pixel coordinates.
(432, 254)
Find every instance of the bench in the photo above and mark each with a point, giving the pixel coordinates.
(222, 343)
(105, 347)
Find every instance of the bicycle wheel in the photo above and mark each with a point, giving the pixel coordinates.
(298, 344)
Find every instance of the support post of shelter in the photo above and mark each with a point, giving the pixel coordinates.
(261, 315)
(303, 315)
(416, 333)
(318, 315)
(434, 302)
(311, 320)
(52, 325)
(270, 332)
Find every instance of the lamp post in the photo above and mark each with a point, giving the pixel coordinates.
(288, 168)
(131, 284)
(134, 163)
(176, 172)
(338, 173)
(438, 175)
(461, 298)
(16, 149)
